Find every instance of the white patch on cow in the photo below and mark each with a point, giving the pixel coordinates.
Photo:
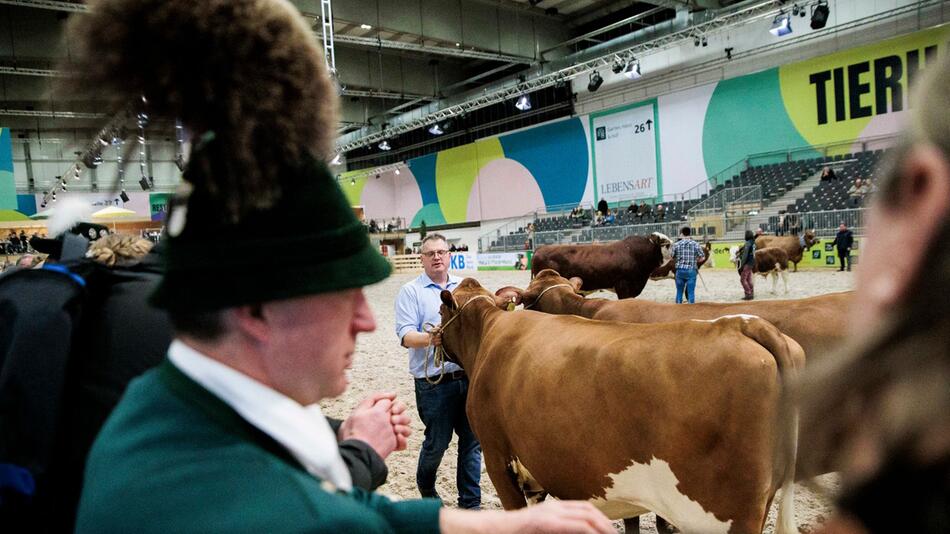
(665, 246)
(653, 487)
(532, 490)
(743, 316)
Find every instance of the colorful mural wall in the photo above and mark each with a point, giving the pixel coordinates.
(855, 94)
(8, 198)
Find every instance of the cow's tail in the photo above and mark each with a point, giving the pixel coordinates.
(790, 359)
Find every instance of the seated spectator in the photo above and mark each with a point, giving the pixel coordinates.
(632, 208)
(610, 218)
(373, 226)
(644, 211)
(828, 174)
(857, 192)
(602, 207)
(660, 212)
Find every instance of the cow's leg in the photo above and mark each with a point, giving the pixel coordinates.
(774, 276)
(505, 480)
(627, 289)
(662, 526)
(785, 279)
(631, 525)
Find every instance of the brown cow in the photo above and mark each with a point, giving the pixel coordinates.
(816, 323)
(667, 271)
(768, 261)
(623, 266)
(626, 416)
(793, 245)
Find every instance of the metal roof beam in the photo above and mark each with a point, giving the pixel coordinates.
(373, 42)
(48, 4)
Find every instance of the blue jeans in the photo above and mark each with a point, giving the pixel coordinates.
(442, 410)
(686, 278)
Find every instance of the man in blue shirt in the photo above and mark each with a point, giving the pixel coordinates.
(686, 253)
(440, 391)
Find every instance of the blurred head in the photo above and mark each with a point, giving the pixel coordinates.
(685, 231)
(749, 235)
(842, 227)
(891, 382)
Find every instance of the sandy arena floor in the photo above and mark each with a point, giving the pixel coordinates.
(382, 365)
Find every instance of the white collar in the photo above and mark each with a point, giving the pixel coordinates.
(302, 430)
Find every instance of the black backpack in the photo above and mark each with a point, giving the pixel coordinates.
(71, 338)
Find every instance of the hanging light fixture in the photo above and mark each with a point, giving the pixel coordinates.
(595, 81)
(781, 25)
(523, 103)
(436, 129)
(385, 145)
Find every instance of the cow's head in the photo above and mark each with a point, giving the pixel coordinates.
(734, 254)
(455, 307)
(809, 238)
(663, 242)
(553, 287)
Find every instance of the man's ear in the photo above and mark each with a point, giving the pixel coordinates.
(448, 299)
(251, 321)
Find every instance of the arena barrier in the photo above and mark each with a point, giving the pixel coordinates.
(406, 263)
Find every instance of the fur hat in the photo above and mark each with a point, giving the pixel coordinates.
(262, 218)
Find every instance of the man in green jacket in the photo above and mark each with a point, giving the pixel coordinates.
(227, 434)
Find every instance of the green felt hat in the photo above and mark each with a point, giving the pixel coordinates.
(308, 242)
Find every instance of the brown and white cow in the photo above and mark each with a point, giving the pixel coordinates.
(678, 418)
(818, 324)
(795, 246)
(623, 266)
(768, 261)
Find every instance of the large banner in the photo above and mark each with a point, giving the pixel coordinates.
(624, 150)
(505, 261)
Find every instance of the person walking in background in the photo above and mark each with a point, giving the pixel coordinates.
(747, 265)
(844, 240)
(686, 253)
(441, 392)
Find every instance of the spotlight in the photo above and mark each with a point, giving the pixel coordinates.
(696, 41)
(124, 196)
(385, 145)
(336, 159)
(595, 82)
(523, 103)
(795, 10)
(633, 70)
(704, 41)
(782, 25)
(729, 53)
(819, 15)
(618, 66)
(397, 171)
(97, 160)
(366, 27)
(436, 129)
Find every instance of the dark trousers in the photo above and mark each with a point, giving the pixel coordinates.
(745, 278)
(442, 410)
(843, 256)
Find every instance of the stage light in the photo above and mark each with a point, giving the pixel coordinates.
(618, 66)
(633, 70)
(696, 41)
(397, 171)
(336, 159)
(523, 103)
(782, 25)
(595, 82)
(819, 15)
(385, 145)
(705, 42)
(436, 129)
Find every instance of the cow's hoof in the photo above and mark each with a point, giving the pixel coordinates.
(631, 525)
(663, 527)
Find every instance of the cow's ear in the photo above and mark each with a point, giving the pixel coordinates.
(577, 283)
(448, 299)
(508, 295)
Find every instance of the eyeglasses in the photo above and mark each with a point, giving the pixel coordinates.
(434, 253)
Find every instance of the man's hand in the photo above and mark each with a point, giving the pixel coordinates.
(400, 423)
(372, 421)
(549, 516)
(435, 337)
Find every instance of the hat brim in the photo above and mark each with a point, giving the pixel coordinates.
(203, 290)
